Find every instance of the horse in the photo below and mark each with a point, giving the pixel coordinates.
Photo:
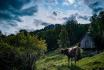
(72, 53)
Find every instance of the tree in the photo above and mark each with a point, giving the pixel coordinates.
(31, 48)
(63, 40)
(21, 51)
(97, 29)
(75, 31)
(8, 57)
(50, 34)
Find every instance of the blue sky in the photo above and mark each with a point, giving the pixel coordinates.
(31, 14)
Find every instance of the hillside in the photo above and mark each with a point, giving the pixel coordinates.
(55, 61)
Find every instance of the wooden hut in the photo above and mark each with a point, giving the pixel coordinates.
(87, 44)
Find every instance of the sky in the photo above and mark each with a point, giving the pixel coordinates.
(36, 14)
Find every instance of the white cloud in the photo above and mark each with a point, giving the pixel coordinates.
(31, 4)
(82, 21)
(7, 29)
(71, 1)
(45, 14)
(29, 24)
(68, 2)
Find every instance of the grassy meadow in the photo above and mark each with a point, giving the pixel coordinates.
(56, 61)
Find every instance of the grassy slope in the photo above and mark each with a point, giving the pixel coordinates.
(55, 61)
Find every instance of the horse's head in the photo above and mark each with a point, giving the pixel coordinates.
(64, 51)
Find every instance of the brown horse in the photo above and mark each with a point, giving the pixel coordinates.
(72, 53)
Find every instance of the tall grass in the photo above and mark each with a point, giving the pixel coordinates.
(56, 61)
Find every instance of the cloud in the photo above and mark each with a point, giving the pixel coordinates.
(39, 22)
(10, 9)
(84, 17)
(48, 16)
(28, 23)
(55, 13)
(95, 5)
(11, 12)
(36, 14)
(71, 1)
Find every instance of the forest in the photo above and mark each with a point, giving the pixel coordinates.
(26, 50)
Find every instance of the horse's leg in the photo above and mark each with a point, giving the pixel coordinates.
(70, 62)
(75, 59)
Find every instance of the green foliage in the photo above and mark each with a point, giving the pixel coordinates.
(53, 34)
(75, 31)
(8, 57)
(63, 38)
(97, 30)
(21, 51)
(31, 42)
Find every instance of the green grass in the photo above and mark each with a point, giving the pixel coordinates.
(56, 61)
(92, 63)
